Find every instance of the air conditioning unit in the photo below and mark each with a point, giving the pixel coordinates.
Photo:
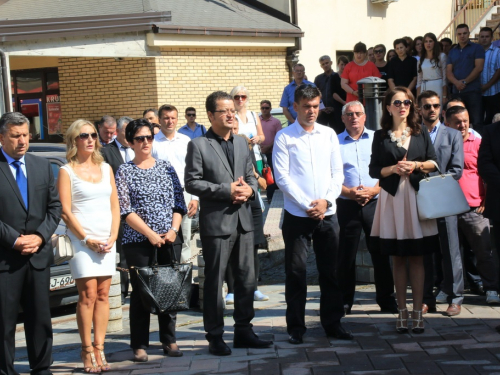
(383, 1)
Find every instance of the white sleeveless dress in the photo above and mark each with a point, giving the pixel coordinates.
(91, 205)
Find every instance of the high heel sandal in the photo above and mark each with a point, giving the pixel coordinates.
(105, 367)
(417, 322)
(402, 323)
(95, 369)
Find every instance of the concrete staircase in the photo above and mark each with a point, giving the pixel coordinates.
(492, 21)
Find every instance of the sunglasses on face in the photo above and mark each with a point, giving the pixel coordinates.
(397, 103)
(429, 106)
(191, 114)
(238, 97)
(351, 114)
(378, 51)
(265, 108)
(142, 138)
(84, 136)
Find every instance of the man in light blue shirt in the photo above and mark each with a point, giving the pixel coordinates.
(192, 129)
(299, 72)
(490, 76)
(356, 209)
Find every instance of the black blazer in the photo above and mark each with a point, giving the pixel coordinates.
(488, 165)
(42, 216)
(112, 156)
(386, 153)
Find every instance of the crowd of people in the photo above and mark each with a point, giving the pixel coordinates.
(132, 186)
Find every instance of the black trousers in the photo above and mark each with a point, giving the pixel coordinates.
(297, 233)
(28, 287)
(270, 188)
(124, 278)
(352, 219)
(229, 271)
(219, 251)
(491, 106)
(141, 254)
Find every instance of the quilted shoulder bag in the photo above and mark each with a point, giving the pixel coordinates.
(440, 196)
(163, 288)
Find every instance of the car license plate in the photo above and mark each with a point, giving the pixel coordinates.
(61, 282)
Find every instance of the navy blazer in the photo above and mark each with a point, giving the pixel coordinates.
(41, 217)
(386, 153)
(488, 165)
(449, 146)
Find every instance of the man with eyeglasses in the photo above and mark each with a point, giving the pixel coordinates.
(450, 157)
(192, 129)
(356, 209)
(308, 170)
(270, 126)
(171, 146)
(219, 170)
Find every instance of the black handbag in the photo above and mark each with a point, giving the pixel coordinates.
(163, 288)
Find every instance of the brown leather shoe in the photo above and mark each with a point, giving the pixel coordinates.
(426, 308)
(171, 350)
(140, 355)
(453, 309)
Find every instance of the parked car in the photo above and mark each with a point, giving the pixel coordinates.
(62, 286)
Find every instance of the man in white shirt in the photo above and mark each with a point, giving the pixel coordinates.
(309, 172)
(171, 146)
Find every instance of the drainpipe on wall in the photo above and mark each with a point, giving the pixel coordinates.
(4, 94)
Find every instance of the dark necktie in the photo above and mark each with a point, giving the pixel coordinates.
(22, 182)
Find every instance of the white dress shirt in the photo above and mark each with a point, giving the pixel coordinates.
(124, 151)
(307, 166)
(174, 151)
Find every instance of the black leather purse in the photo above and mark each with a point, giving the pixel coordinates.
(163, 288)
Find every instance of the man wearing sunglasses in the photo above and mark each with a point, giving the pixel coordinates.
(192, 129)
(171, 146)
(30, 213)
(450, 156)
(356, 210)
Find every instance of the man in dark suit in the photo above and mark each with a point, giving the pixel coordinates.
(30, 213)
(115, 154)
(448, 144)
(219, 171)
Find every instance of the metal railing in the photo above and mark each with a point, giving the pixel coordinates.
(470, 12)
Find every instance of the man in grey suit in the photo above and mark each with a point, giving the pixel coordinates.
(29, 215)
(448, 144)
(219, 171)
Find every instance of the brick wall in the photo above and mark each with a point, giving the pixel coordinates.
(92, 87)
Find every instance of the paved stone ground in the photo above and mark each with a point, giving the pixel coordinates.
(466, 344)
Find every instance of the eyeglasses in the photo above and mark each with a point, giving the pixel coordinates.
(238, 97)
(142, 138)
(428, 106)
(265, 108)
(84, 136)
(230, 112)
(351, 114)
(397, 103)
(191, 114)
(378, 51)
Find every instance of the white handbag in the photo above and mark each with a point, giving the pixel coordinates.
(63, 248)
(440, 196)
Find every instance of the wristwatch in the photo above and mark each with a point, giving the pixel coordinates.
(175, 230)
(464, 82)
(84, 241)
(328, 203)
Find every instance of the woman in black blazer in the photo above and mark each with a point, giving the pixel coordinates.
(401, 154)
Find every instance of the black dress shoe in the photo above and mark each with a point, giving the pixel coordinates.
(217, 346)
(389, 307)
(339, 332)
(167, 350)
(295, 339)
(250, 340)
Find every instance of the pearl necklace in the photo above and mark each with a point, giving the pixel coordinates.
(399, 141)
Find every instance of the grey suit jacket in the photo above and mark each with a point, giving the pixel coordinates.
(41, 217)
(449, 146)
(208, 175)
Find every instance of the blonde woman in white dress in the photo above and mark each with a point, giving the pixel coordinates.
(432, 68)
(92, 215)
(249, 122)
